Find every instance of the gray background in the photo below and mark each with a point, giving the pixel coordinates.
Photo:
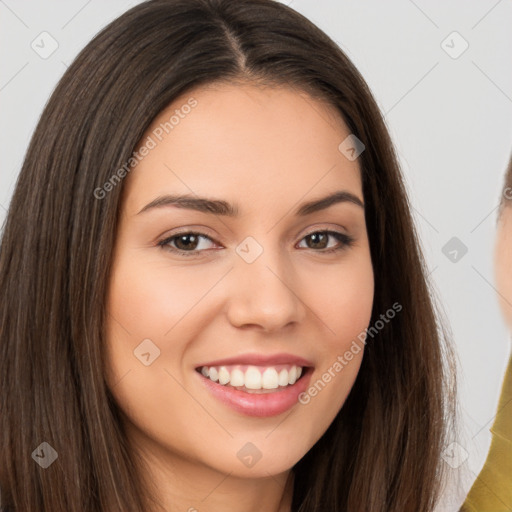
(450, 118)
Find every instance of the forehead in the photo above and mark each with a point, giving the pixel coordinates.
(245, 141)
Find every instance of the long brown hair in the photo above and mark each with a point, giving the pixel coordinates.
(382, 453)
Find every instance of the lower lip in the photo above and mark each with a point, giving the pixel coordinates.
(261, 405)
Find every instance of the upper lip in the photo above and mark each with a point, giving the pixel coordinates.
(260, 360)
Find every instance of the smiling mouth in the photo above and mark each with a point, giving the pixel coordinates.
(255, 379)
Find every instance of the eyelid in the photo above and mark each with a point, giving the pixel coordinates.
(330, 227)
(204, 231)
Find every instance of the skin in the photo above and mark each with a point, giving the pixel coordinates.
(502, 258)
(268, 150)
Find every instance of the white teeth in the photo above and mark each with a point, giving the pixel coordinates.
(254, 377)
(237, 378)
(269, 379)
(283, 377)
(292, 375)
(214, 374)
(223, 375)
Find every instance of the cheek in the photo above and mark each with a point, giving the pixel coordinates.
(503, 271)
(148, 298)
(345, 312)
(144, 335)
(344, 300)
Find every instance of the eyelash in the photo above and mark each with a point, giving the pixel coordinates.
(346, 242)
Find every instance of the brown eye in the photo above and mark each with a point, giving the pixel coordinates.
(320, 239)
(186, 243)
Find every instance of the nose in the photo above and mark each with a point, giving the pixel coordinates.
(265, 293)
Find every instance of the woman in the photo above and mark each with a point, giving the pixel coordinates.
(293, 359)
(492, 490)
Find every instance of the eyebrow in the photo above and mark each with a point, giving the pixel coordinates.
(220, 207)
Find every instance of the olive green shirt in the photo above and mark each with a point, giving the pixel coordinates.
(492, 490)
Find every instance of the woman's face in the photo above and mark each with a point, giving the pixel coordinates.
(503, 257)
(253, 296)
